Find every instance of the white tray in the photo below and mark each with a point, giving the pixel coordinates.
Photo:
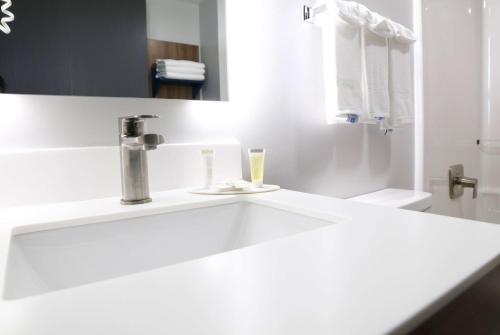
(263, 189)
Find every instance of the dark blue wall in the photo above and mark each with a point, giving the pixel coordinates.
(76, 47)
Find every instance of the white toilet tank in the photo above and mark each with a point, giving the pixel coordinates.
(396, 198)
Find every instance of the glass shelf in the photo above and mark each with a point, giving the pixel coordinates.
(491, 147)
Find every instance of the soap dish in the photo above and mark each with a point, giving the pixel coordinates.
(254, 190)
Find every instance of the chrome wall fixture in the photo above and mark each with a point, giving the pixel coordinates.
(308, 13)
(458, 182)
(6, 16)
(312, 10)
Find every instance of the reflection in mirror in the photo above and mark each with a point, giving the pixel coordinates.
(162, 49)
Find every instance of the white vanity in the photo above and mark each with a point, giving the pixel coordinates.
(275, 263)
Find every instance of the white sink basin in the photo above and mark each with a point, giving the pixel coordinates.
(45, 261)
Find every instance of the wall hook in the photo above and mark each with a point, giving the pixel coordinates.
(308, 13)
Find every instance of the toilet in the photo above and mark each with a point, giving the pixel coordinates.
(397, 198)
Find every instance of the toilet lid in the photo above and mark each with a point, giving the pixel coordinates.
(396, 198)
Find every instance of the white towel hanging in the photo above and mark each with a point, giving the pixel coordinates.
(375, 60)
(359, 15)
(342, 67)
(364, 81)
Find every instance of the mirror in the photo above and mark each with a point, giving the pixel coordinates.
(162, 49)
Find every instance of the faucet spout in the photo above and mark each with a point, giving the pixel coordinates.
(134, 144)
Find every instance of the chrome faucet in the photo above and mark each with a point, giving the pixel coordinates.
(457, 182)
(134, 145)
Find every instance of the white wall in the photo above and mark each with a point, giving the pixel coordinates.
(489, 206)
(275, 92)
(275, 72)
(490, 134)
(69, 174)
(452, 76)
(173, 21)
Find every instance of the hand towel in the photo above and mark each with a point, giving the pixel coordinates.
(349, 69)
(342, 71)
(180, 69)
(375, 54)
(400, 83)
(184, 63)
(182, 76)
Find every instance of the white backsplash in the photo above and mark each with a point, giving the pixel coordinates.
(74, 174)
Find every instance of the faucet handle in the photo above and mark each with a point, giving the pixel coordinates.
(152, 141)
(457, 182)
(143, 142)
(146, 117)
(140, 117)
(471, 183)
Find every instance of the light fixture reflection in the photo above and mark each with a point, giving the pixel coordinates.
(7, 16)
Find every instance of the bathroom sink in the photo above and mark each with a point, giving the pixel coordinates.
(44, 261)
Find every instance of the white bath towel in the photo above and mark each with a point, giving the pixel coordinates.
(375, 56)
(183, 63)
(400, 83)
(182, 76)
(179, 69)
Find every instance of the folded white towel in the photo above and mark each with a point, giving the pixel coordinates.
(183, 63)
(400, 83)
(182, 76)
(376, 74)
(180, 69)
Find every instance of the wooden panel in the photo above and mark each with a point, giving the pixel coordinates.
(475, 312)
(171, 50)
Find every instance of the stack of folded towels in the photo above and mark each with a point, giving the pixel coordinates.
(180, 69)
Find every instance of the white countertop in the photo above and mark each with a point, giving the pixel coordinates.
(383, 270)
